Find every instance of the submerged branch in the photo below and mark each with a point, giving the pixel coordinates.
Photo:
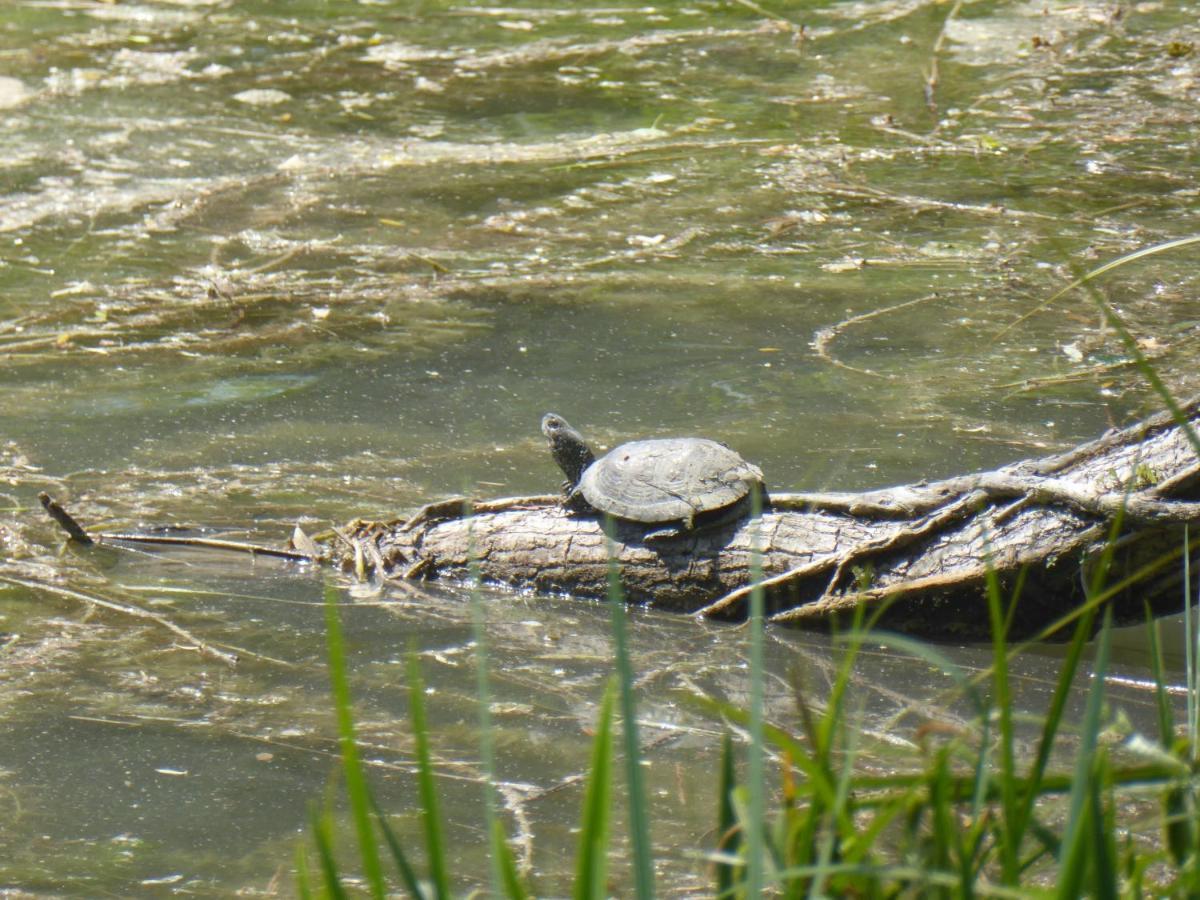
(127, 610)
(76, 532)
(211, 543)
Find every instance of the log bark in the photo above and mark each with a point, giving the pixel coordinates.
(921, 553)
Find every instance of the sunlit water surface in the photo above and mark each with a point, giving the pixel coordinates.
(261, 269)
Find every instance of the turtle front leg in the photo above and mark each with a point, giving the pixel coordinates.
(573, 498)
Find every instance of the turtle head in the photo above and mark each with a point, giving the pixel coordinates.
(568, 448)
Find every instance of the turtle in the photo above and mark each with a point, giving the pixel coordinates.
(667, 481)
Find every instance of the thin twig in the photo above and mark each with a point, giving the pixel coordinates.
(932, 76)
(767, 14)
(76, 531)
(909, 201)
(212, 543)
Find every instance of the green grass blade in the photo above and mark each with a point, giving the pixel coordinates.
(303, 885)
(727, 831)
(1086, 278)
(945, 837)
(1017, 590)
(1191, 635)
(1103, 861)
(639, 806)
(818, 780)
(323, 835)
(435, 845)
(1019, 816)
(356, 783)
(841, 815)
(1002, 702)
(827, 725)
(1073, 850)
(1074, 858)
(1178, 824)
(1095, 586)
(860, 845)
(591, 870)
(510, 879)
(1113, 319)
(483, 691)
(1051, 723)
(755, 768)
(407, 875)
(1166, 720)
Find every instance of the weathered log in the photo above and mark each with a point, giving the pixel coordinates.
(924, 550)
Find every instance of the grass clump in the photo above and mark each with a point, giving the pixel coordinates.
(977, 812)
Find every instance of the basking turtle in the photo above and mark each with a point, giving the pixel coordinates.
(657, 481)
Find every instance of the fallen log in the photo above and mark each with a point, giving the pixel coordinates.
(922, 550)
(921, 554)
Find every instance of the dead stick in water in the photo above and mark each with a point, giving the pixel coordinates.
(77, 533)
(213, 543)
(64, 518)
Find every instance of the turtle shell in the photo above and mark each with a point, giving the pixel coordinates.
(667, 480)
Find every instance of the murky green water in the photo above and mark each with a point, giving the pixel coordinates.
(262, 264)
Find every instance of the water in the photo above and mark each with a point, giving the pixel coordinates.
(259, 269)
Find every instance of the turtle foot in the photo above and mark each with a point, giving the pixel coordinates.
(660, 535)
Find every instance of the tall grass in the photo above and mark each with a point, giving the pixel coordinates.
(371, 825)
(978, 815)
(639, 805)
(756, 807)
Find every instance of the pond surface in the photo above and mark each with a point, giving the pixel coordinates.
(263, 264)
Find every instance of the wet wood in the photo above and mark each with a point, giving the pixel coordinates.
(922, 550)
(67, 522)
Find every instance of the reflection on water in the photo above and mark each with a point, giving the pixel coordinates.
(259, 268)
